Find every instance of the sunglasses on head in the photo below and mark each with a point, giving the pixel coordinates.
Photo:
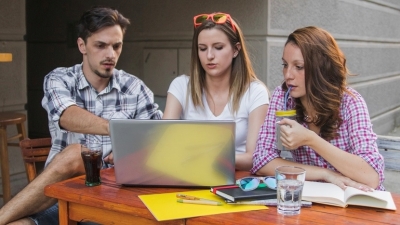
(218, 18)
(252, 183)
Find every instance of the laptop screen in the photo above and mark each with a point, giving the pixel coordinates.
(173, 152)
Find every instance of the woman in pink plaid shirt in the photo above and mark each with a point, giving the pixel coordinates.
(332, 137)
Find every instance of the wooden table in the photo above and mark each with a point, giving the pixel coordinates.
(110, 203)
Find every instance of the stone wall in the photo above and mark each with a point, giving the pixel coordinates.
(157, 44)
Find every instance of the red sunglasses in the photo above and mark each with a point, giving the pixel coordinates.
(218, 18)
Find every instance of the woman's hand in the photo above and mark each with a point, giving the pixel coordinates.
(343, 182)
(293, 134)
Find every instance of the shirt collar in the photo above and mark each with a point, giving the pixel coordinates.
(83, 83)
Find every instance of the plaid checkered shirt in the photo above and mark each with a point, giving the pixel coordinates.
(355, 136)
(126, 97)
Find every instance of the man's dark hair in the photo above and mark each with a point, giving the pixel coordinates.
(97, 18)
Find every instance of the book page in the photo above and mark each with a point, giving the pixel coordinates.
(325, 193)
(377, 199)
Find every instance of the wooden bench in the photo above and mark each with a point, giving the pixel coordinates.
(388, 142)
(389, 147)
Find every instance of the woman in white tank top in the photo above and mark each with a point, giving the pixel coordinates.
(221, 85)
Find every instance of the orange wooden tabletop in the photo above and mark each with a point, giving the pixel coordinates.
(112, 198)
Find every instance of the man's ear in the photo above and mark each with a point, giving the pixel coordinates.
(81, 45)
(238, 47)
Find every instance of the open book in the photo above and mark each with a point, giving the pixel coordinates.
(330, 194)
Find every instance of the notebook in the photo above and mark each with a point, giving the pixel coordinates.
(232, 193)
(179, 153)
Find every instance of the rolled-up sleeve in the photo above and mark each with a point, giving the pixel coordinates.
(57, 97)
(266, 148)
(362, 137)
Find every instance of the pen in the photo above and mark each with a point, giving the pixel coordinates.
(201, 202)
(188, 197)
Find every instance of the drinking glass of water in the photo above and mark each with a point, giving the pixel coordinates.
(290, 181)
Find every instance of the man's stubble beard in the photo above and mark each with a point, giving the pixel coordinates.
(104, 75)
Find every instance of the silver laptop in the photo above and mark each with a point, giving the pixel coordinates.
(173, 152)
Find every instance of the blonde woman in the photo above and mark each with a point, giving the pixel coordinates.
(222, 84)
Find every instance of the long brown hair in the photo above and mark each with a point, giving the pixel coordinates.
(242, 73)
(325, 77)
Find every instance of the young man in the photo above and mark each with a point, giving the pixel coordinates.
(79, 101)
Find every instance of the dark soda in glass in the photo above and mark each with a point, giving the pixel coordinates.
(92, 160)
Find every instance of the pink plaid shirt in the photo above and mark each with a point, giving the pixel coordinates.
(356, 136)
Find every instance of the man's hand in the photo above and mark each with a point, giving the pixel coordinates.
(109, 159)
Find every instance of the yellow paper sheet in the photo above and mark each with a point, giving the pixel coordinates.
(165, 207)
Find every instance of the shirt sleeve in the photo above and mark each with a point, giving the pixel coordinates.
(178, 88)
(57, 96)
(258, 95)
(266, 148)
(362, 138)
